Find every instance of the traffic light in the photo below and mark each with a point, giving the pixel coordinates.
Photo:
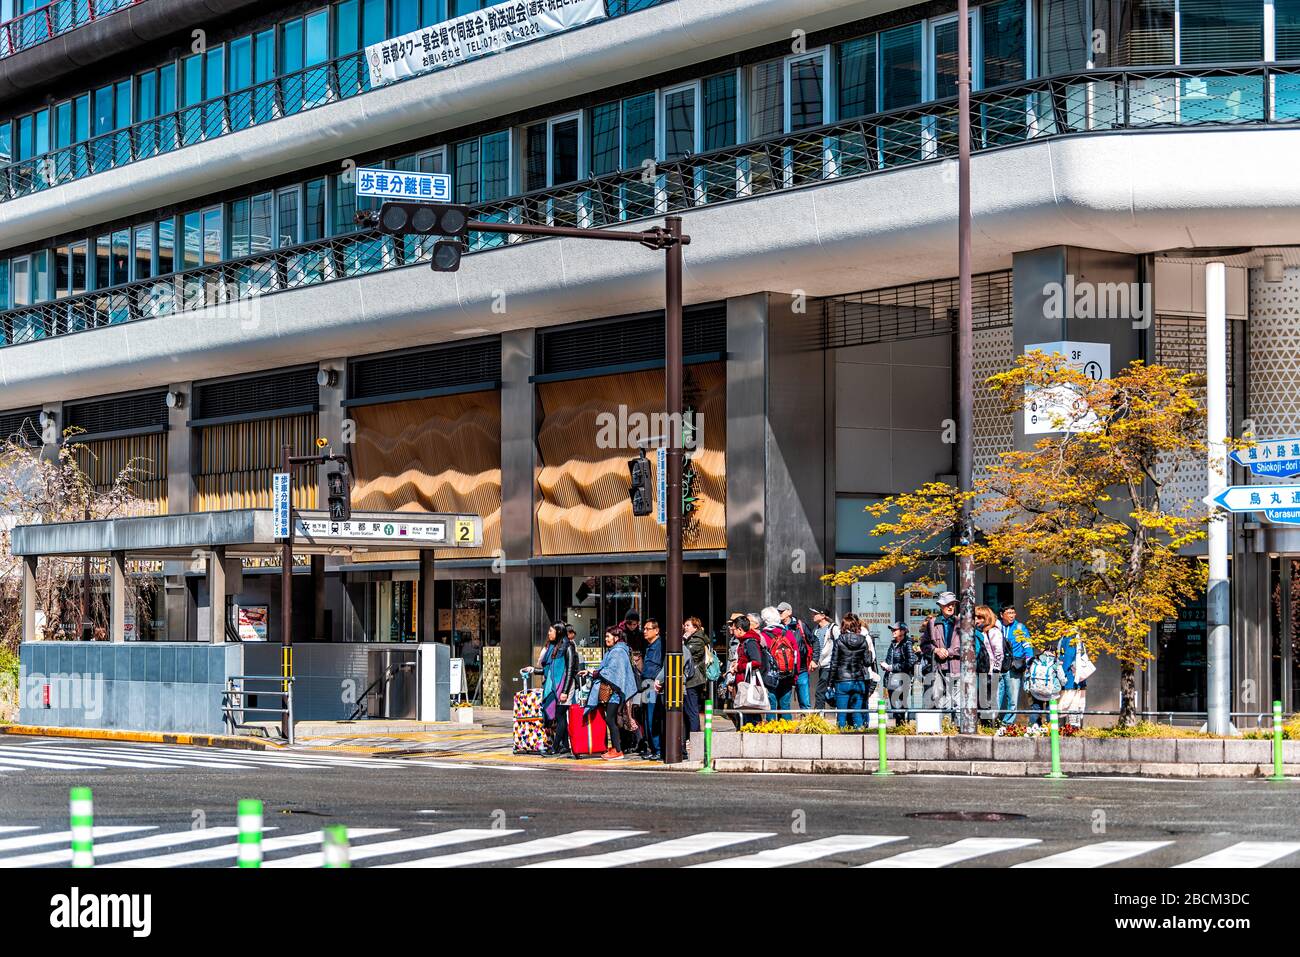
(340, 495)
(424, 219)
(446, 255)
(642, 503)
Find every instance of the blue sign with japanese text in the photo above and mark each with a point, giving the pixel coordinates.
(1276, 458)
(399, 185)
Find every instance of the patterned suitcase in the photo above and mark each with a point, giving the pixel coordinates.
(533, 736)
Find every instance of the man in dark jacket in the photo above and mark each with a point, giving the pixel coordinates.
(851, 659)
(898, 666)
(941, 651)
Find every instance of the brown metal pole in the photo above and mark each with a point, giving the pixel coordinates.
(286, 600)
(87, 625)
(968, 723)
(673, 716)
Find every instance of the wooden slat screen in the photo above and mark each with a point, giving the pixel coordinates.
(236, 462)
(431, 455)
(104, 460)
(584, 507)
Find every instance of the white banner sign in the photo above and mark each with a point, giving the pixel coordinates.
(476, 34)
(1060, 408)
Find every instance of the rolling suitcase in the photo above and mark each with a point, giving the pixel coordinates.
(531, 735)
(587, 732)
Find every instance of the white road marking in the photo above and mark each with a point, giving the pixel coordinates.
(1246, 854)
(62, 837)
(954, 853)
(1096, 855)
(510, 852)
(360, 852)
(63, 856)
(660, 850)
(807, 851)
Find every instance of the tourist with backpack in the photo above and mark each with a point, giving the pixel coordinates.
(1019, 652)
(783, 649)
(753, 665)
(806, 644)
(1044, 681)
(897, 667)
(853, 658)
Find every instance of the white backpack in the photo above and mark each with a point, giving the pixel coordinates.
(1043, 679)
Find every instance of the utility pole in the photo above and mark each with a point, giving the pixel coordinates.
(965, 377)
(1218, 604)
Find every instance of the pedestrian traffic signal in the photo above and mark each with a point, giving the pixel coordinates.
(340, 495)
(640, 488)
(446, 255)
(424, 219)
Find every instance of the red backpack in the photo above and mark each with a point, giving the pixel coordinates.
(784, 653)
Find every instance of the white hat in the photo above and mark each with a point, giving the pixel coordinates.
(946, 598)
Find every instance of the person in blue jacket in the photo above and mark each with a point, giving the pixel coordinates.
(1019, 652)
(1075, 693)
(616, 683)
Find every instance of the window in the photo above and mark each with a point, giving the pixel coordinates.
(313, 219)
(638, 130)
(345, 206)
(564, 150)
(103, 258)
(41, 275)
(465, 178)
(21, 280)
(70, 270)
(900, 67)
(766, 109)
(1138, 32)
(496, 166)
(1063, 40)
(943, 57)
(857, 77)
(534, 157)
(191, 226)
(806, 91)
(602, 138)
(288, 209)
(166, 246)
(120, 257)
(1002, 42)
(680, 122)
(143, 251)
(720, 111)
(1220, 31)
(1286, 19)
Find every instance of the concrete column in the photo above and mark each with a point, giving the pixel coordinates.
(332, 420)
(181, 463)
(1217, 603)
(427, 626)
(518, 503)
(335, 425)
(51, 413)
(29, 598)
(217, 595)
(117, 597)
(778, 463)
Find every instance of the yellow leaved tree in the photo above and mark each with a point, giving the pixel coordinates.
(1085, 522)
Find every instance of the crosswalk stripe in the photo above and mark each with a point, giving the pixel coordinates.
(247, 758)
(16, 763)
(162, 757)
(953, 853)
(62, 837)
(1246, 854)
(207, 855)
(660, 850)
(77, 758)
(10, 828)
(104, 849)
(807, 851)
(424, 842)
(146, 755)
(510, 852)
(1096, 855)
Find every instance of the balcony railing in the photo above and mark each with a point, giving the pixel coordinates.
(308, 89)
(36, 26)
(1097, 102)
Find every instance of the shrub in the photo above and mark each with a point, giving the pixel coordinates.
(8, 684)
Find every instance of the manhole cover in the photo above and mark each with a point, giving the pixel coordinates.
(966, 816)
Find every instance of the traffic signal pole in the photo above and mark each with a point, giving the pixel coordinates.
(670, 239)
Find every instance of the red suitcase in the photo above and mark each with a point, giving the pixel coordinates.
(587, 733)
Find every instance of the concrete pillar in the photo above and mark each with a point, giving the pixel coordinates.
(29, 598)
(1218, 602)
(780, 461)
(51, 423)
(427, 626)
(330, 598)
(217, 595)
(117, 597)
(518, 463)
(181, 463)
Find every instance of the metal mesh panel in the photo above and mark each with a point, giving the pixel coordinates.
(638, 339)
(914, 311)
(117, 414)
(23, 425)
(429, 369)
(257, 394)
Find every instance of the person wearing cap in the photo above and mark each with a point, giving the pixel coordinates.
(805, 640)
(941, 649)
(898, 664)
(827, 632)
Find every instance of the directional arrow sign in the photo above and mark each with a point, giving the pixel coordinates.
(1278, 458)
(1258, 498)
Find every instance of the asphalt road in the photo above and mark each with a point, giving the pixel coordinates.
(409, 803)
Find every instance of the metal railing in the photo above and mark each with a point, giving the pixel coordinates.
(233, 699)
(58, 17)
(307, 89)
(1098, 102)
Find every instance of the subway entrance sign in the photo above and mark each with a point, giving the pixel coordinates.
(390, 530)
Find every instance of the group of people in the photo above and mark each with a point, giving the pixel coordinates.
(627, 686)
(775, 663)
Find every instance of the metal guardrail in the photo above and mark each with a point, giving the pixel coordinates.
(233, 699)
(1096, 102)
(870, 709)
(310, 88)
(58, 17)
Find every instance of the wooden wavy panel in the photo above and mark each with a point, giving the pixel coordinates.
(584, 505)
(432, 455)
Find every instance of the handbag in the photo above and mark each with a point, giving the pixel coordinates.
(750, 693)
(712, 667)
(1083, 666)
(606, 692)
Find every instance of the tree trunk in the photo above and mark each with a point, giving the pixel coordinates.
(1127, 697)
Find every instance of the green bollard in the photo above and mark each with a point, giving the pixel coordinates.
(708, 738)
(1277, 774)
(82, 814)
(882, 770)
(249, 819)
(334, 846)
(1055, 727)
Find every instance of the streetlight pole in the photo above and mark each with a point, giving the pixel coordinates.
(965, 375)
(673, 715)
(286, 601)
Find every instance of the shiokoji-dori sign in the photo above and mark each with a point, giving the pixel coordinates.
(390, 529)
(476, 34)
